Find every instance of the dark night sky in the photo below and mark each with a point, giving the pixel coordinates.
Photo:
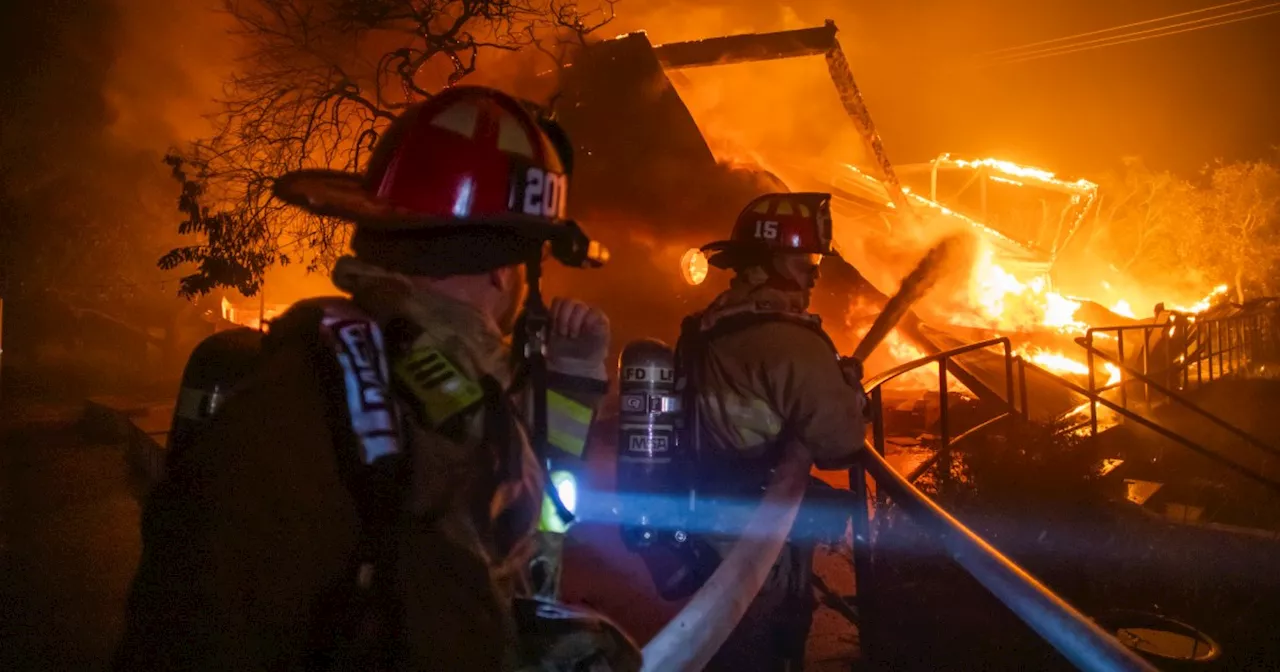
(1177, 101)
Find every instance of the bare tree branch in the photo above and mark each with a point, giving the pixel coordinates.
(318, 83)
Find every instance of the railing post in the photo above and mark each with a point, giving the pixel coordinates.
(1124, 395)
(1022, 384)
(1231, 344)
(944, 454)
(877, 430)
(1183, 363)
(1222, 371)
(1251, 335)
(1008, 376)
(1168, 354)
(877, 419)
(1093, 404)
(863, 569)
(1239, 343)
(1208, 351)
(1146, 365)
(1200, 355)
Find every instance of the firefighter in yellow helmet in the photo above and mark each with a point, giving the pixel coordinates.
(370, 498)
(758, 369)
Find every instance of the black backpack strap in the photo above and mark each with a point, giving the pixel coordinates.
(356, 623)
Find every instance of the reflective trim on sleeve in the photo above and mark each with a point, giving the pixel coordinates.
(437, 384)
(568, 423)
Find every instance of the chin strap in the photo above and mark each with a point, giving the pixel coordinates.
(534, 341)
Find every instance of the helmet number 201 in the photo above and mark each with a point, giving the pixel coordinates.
(767, 230)
(544, 193)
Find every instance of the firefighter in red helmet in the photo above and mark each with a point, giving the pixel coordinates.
(757, 369)
(375, 495)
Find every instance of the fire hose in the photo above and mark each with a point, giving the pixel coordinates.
(692, 637)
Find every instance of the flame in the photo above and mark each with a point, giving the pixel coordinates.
(1060, 363)
(1008, 304)
(1203, 304)
(248, 316)
(924, 377)
(1122, 308)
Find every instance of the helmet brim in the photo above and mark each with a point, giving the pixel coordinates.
(730, 254)
(332, 193)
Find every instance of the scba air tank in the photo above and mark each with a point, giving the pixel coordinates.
(652, 465)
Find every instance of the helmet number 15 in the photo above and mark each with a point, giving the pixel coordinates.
(767, 230)
(544, 193)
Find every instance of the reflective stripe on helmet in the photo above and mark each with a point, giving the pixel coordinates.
(436, 383)
(568, 423)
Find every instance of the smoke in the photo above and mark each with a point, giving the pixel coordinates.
(169, 62)
(112, 84)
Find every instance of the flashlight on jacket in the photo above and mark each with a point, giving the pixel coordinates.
(567, 488)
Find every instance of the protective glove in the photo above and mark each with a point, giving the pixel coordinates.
(577, 339)
(851, 367)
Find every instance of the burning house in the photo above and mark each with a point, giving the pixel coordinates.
(659, 175)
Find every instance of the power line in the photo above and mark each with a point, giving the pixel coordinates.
(1123, 38)
(1115, 28)
(1133, 37)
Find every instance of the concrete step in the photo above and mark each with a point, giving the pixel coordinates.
(141, 424)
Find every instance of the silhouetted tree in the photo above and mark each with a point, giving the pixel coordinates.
(317, 82)
(1224, 228)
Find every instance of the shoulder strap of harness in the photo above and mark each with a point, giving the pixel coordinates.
(356, 624)
(694, 340)
(746, 318)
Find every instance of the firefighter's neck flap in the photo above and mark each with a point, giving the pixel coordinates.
(750, 290)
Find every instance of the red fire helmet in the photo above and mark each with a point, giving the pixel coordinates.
(470, 156)
(777, 223)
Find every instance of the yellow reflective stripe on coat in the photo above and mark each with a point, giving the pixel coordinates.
(753, 422)
(568, 423)
(437, 384)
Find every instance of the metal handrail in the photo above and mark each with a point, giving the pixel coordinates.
(1174, 396)
(1074, 635)
(943, 456)
(1172, 436)
(888, 375)
(1197, 339)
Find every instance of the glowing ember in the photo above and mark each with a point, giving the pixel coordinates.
(693, 266)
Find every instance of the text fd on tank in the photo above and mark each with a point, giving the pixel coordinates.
(693, 266)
